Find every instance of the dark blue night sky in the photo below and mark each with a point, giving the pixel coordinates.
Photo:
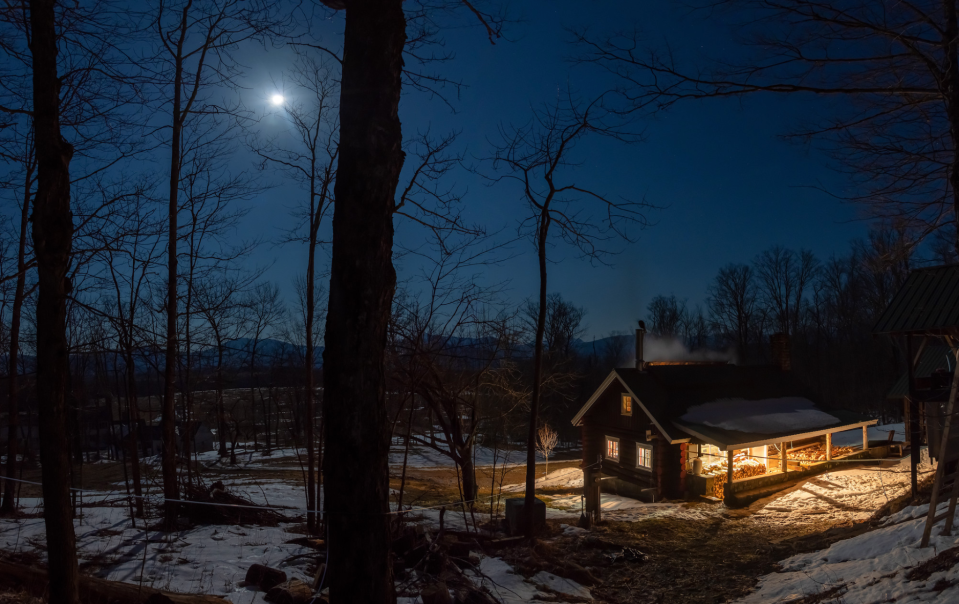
(729, 185)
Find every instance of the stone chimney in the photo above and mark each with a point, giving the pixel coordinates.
(779, 343)
(640, 336)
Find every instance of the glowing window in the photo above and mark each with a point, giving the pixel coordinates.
(627, 404)
(612, 448)
(644, 456)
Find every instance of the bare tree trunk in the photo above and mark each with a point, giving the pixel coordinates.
(13, 386)
(171, 490)
(134, 416)
(309, 385)
(220, 408)
(469, 480)
(52, 242)
(406, 454)
(362, 283)
(529, 513)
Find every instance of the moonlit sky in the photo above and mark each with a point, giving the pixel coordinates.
(729, 185)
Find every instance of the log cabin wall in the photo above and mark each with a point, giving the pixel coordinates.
(604, 419)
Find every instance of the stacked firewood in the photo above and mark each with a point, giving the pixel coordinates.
(817, 453)
(743, 467)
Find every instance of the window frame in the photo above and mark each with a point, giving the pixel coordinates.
(619, 451)
(647, 447)
(622, 404)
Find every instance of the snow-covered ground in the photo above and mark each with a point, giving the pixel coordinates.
(873, 567)
(205, 559)
(214, 559)
(564, 478)
(509, 587)
(842, 495)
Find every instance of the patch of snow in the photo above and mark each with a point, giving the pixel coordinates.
(564, 478)
(766, 416)
(570, 530)
(842, 495)
(559, 585)
(871, 567)
(624, 509)
(509, 587)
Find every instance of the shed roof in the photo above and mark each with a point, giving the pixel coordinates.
(928, 302)
(761, 393)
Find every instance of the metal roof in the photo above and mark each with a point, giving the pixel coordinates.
(927, 303)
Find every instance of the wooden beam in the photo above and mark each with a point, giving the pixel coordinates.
(865, 438)
(729, 467)
(783, 465)
(828, 446)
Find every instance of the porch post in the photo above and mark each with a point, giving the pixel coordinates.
(865, 437)
(597, 487)
(828, 446)
(782, 457)
(729, 467)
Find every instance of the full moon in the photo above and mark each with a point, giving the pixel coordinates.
(277, 99)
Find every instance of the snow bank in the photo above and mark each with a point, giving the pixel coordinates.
(872, 567)
(766, 416)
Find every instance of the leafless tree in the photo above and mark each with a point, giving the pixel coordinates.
(311, 162)
(263, 311)
(537, 158)
(733, 306)
(218, 300)
(131, 252)
(198, 42)
(546, 440)
(667, 316)
(445, 345)
(893, 65)
(783, 278)
(24, 158)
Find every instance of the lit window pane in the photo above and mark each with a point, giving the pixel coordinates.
(644, 457)
(612, 448)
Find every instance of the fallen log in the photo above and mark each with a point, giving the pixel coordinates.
(94, 590)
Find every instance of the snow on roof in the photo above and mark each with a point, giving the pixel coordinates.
(766, 416)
